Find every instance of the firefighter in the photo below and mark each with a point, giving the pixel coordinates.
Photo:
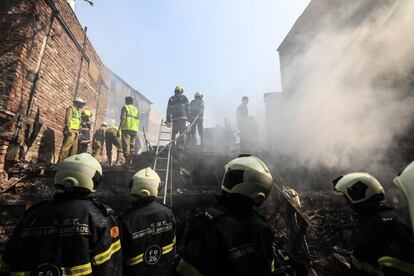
(242, 122)
(177, 111)
(73, 234)
(128, 127)
(112, 139)
(71, 129)
(197, 108)
(381, 234)
(85, 131)
(99, 140)
(232, 238)
(405, 181)
(148, 229)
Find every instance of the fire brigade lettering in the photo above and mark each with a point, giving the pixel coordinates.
(65, 228)
(154, 229)
(241, 251)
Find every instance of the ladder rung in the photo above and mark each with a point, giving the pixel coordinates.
(165, 139)
(161, 170)
(169, 132)
(162, 158)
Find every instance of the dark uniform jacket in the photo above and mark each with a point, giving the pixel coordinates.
(381, 233)
(148, 239)
(85, 132)
(71, 235)
(228, 240)
(197, 107)
(177, 107)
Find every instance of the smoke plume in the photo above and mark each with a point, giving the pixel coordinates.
(347, 97)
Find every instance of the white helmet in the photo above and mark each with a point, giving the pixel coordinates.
(359, 187)
(145, 183)
(80, 170)
(247, 176)
(79, 100)
(405, 181)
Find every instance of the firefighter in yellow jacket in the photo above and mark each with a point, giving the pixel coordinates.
(128, 127)
(72, 234)
(71, 129)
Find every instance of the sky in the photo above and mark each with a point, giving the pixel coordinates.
(225, 49)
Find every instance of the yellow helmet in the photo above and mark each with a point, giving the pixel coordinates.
(405, 181)
(248, 176)
(145, 183)
(87, 113)
(179, 90)
(358, 187)
(80, 170)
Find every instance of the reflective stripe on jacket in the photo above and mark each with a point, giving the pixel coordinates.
(131, 119)
(73, 234)
(148, 239)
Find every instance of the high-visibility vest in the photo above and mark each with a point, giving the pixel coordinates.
(75, 119)
(132, 118)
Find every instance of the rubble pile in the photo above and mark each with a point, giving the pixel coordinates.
(329, 238)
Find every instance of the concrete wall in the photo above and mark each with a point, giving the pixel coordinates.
(24, 26)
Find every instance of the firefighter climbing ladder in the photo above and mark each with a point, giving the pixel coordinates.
(163, 160)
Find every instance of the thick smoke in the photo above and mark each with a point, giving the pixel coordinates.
(349, 86)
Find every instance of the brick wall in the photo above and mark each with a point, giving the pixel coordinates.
(24, 25)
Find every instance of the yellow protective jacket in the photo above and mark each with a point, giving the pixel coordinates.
(131, 115)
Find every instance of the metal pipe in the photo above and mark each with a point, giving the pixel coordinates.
(66, 28)
(39, 64)
(80, 65)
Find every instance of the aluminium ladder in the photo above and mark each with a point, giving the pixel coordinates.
(163, 160)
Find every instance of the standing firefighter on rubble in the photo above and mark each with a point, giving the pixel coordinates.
(71, 129)
(148, 229)
(73, 234)
(242, 123)
(177, 111)
(232, 238)
(128, 127)
(197, 109)
(99, 140)
(383, 244)
(111, 139)
(85, 131)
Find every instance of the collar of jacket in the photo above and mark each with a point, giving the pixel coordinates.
(235, 202)
(365, 214)
(141, 202)
(77, 194)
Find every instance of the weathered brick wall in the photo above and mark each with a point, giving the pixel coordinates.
(23, 28)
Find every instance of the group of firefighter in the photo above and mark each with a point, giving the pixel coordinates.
(77, 127)
(75, 234)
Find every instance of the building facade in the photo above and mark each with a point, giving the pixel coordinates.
(46, 61)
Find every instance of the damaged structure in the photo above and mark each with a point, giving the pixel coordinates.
(46, 61)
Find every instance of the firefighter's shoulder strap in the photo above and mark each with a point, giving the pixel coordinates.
(106, 210)
(36, 206)
(213, 213)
